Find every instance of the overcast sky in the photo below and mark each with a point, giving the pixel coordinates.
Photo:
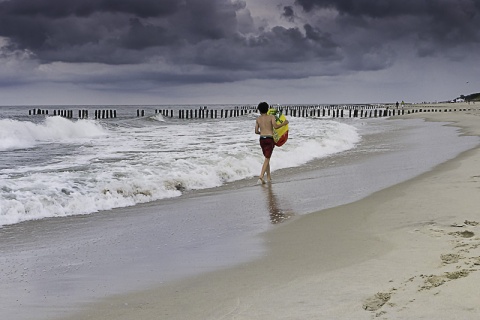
(237, 51)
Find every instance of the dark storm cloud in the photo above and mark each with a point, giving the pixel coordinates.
(372, 8)
(50, 28)
(82, 8)
(143, 35)
(219, 41)
(205, 33)
(288, 13)
(439, 21)
(374, 33)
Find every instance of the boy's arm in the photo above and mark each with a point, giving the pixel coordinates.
(257, 127)
(278, 125)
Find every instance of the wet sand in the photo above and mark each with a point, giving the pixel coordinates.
(409, 251)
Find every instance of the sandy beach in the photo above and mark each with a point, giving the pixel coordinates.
(410, 251)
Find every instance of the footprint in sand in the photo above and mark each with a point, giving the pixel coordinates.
(434, 281)
(464, 224)
(463, 234)
(476, 261)
(377, 301)
(457, 274)
(450, 258)
(471, 223)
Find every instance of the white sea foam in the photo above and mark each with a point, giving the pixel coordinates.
(23, 134)
(124, 163)
(158, 117)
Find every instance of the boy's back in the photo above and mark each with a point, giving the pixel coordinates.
(265, 124)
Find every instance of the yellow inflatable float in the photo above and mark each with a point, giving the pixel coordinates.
(280, 135)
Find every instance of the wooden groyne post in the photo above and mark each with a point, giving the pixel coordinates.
(105, 114)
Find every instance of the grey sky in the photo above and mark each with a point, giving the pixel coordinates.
(228, 51)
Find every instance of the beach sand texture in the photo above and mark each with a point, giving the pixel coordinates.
(411, 251)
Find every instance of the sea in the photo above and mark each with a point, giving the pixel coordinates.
(51, 166)
(91, 208)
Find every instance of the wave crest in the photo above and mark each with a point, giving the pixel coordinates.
(25, 134)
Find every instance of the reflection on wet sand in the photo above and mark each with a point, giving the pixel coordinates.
(277, 215)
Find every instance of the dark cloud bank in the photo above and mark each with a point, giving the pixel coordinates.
(222, 41)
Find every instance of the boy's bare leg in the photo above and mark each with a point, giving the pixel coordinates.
(269, 176)
(266, 165)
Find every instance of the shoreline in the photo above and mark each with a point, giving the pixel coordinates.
(411, 250)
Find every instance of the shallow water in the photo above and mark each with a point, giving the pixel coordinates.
(53, 167)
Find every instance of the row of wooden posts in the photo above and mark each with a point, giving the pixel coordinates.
(111, 113)
(204, 113)
(209, 113)
(82, 114)
(411, 111)
(367, 111)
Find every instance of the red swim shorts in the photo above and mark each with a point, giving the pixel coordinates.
(267, 144)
